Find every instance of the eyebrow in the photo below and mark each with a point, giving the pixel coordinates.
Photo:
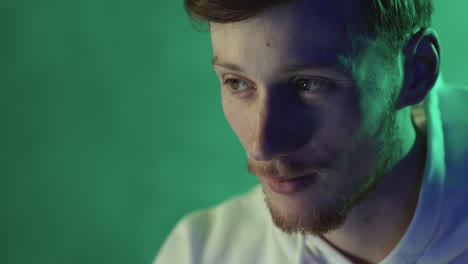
(291, 68)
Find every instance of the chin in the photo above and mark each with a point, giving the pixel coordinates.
(303, 213)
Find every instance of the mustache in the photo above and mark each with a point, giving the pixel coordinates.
(287, 168)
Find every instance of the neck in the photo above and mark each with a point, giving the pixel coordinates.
(374, 227)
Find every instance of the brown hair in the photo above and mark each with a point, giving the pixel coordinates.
(393, 21)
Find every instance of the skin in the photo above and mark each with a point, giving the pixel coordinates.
(348, 120)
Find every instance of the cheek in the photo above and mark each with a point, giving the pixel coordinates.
(229, 109)
(341, 128)
(337, 137)
(343, 117)
(239, 120)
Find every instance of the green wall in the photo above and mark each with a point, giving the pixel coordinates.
(112, 127)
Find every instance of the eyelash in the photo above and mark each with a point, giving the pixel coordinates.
(323, 82)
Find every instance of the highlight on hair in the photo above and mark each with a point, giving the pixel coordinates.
(393, 21)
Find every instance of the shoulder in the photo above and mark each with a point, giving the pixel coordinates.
(453, 105)
(228, 219)
(453, 109)
(451, 247)
(234, 228)
(451, 239)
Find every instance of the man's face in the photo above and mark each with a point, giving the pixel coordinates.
(335, 117)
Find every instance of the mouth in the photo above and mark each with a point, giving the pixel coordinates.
(284, 185)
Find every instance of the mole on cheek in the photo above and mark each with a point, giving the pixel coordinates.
(267, 44)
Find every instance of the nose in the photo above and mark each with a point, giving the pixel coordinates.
(282, 127)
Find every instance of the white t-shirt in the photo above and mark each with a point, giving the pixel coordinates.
(240, 230)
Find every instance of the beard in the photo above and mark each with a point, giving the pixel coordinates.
(315, 222)
(321, 220)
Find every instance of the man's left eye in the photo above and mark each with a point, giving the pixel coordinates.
(305, 84)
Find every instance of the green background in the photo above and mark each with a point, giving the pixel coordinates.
(112, 127)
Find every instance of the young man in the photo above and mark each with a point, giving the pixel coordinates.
(322, 95)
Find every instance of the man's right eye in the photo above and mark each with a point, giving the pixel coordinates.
(236, 86)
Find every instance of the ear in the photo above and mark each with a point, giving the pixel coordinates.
(421, 66)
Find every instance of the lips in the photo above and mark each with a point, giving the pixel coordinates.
(285, 185)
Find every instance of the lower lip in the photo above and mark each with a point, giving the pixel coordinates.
(290, 186)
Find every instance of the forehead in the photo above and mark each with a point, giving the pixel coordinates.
(318, 31)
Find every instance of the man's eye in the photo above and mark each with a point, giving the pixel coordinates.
(236, 86)
(306, 86)
(312, 85)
